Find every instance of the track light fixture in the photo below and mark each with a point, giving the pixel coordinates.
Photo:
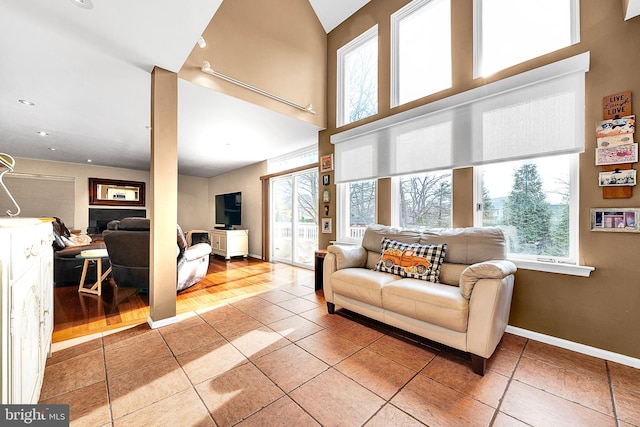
(206, 68)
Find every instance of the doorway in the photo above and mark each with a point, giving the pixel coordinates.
(294, 218)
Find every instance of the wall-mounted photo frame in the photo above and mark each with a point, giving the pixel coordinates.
(616, 155)
(326, 179)
(617, 178)
(616, 220)
(326, 163)
(326, 226)
(326, 196)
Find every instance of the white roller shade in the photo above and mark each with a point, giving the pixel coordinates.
(40, 196)
(537, 113)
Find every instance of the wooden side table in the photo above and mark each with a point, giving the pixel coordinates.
(93, 255)
(319, 263)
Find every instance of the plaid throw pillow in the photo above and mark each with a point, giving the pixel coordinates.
(412, 261)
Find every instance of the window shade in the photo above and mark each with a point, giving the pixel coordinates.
(536, 113)
(41, 196)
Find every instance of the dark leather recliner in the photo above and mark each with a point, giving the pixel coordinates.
(67, 269)
(127, 242)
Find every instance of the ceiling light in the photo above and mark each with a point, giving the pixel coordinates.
(42, 133)
(52, 149)
(89, 160)
(26, 102)
(201, 42)
(85, 4)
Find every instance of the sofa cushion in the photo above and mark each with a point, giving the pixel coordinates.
(361, 284)
(348, 256)
(435, 303)
(468, 245)
(411, 260)
(374, 234)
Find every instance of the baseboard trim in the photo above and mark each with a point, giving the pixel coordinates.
(162, 322)
(574, 346)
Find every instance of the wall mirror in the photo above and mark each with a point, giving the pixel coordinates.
(115, 192)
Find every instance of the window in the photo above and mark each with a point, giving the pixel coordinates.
(420, 50)
(356, 209)
(423, 200)
(535, 202)
(358, 78)
(293, 160)
(508, 32)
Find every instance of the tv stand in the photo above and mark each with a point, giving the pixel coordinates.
(229, 243)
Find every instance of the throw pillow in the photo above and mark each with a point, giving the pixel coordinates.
(411, 260)
(77, 240)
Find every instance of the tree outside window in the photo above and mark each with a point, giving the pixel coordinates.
(358, 78)
(531, 204)
(425, 200)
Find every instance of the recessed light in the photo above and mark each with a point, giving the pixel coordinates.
(52, 149)
(26, 102)
(85, 4)
(89, 160)
(43, 133)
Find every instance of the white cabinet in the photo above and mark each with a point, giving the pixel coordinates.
(228, 243)
(26, 312)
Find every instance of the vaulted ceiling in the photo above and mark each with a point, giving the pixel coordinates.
(86, 67)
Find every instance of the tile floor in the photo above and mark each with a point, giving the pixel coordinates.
(279, 359)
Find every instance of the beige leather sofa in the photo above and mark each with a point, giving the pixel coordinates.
(468, 309)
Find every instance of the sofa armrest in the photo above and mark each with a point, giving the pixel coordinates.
(328, 268)
(495, 269)
(489, 309)
(348, 256)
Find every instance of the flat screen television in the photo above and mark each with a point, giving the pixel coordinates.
(228, 210)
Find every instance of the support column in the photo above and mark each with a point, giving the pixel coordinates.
(164, 197)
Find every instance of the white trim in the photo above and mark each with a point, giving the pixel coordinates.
(574, 346)
(554, 267)
(477, 38)
(162, 322)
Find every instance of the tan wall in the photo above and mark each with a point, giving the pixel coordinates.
(193, 203)
(246, 180)
(278, 46)
(192, 191)
(599, 311)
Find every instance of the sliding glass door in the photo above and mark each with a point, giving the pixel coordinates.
(294, 218)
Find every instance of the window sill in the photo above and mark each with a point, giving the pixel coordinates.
(554, 267)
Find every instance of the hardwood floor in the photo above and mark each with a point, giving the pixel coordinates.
(79, 314)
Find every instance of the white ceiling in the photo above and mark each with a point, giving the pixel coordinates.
(88, 72)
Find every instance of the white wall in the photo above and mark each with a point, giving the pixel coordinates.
(246, 180)
(193, 203)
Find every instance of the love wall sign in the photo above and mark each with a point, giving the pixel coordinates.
(616, 106)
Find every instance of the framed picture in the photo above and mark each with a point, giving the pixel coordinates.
(326, 196)
(326, 225)
(617, 220)
(617, 177)
(615, 126)
(114, 192)
(617, 155)
(326, 179)
(326, 163)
